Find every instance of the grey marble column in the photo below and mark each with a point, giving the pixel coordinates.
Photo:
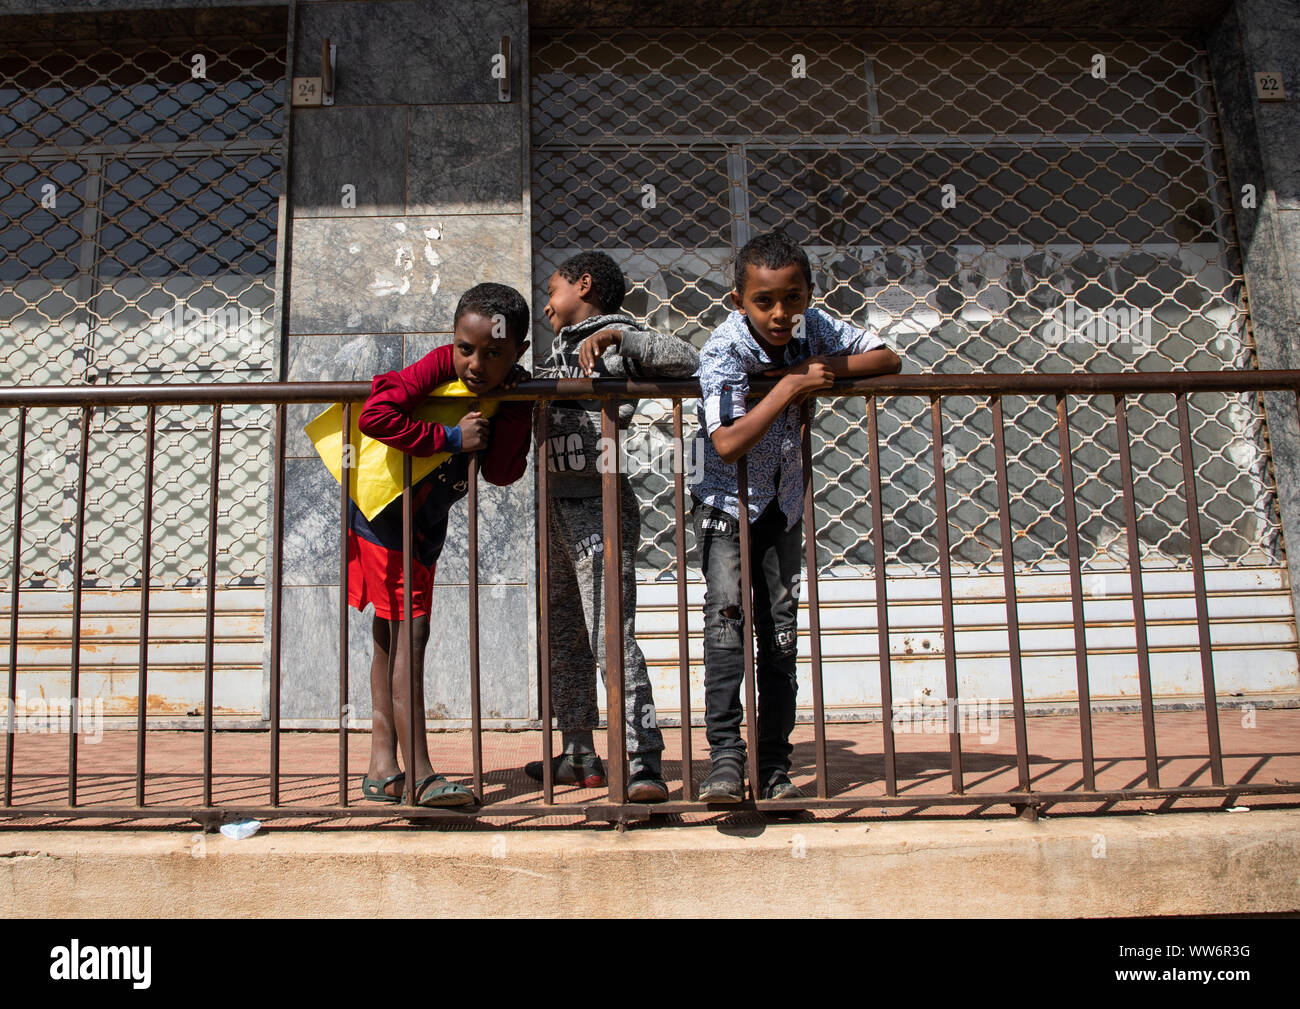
(1262, 142)
(405, 193)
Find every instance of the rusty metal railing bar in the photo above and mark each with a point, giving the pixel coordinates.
(345, 481)
(543, 457)
(408, 633)
(77, 565)
(612, 530)
(15, 579)
(747, 624)
(683, 636)
(814, 607)
(210, 606)
(882, 601)
(146, 559)
(1202, 600)
(232, 393)
(945, 592)
(1139, 601)
(1076, 591)
(476, 713)
(1009, 593)
(277, 602)
(597, 811)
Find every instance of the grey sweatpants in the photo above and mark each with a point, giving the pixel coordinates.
(576, 597)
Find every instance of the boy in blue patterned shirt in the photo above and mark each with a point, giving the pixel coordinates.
(773, 329)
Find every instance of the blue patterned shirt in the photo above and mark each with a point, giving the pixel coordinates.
(775, 462)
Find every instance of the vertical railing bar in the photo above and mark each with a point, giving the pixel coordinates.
(611, 512)
(146, 560)
(345, 488)
(683, 637)
(408, 631)
(814, 608)
(476, 713)
(952, 701)
(1139, 602)
(882, 602)
(1009, 593)
(544, 597)
(1076, 593)
(1202, 600)
(277, 592)
(16, 576)
(77, 567)
(209, 630)
(747, 626)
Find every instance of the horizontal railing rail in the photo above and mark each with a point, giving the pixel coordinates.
(616, 807)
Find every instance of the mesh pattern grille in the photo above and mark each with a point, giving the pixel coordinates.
(1088, 228)
(139, 246)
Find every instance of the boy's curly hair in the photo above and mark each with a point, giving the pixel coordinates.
(607, 283)
(773, 251)
(490, 300)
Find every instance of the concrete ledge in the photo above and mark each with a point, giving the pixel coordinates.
(1173, 863)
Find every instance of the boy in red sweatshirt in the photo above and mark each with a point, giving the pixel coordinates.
(490, 327)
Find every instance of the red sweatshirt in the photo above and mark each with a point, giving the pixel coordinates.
(386, 416)
(394, 395)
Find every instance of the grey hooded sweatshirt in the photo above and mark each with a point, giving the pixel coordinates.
(573, 447)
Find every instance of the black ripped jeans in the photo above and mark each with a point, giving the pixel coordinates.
(774, 566)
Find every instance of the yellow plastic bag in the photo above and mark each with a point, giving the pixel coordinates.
(376, 473)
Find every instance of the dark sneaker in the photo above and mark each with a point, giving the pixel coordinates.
(779, 786)
(725, 783)
(583, 769)
(646, 786)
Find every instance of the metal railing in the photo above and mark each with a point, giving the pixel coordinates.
(615, 806)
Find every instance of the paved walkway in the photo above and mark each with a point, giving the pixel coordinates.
(1266, 752)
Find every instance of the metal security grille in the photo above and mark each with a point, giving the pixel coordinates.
(1003, 203)
(139, 178)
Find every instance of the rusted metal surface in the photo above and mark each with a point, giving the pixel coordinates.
(476, 713)
(615, 806)
(1076, 590)
(277, 595)
(614, 811)
(882, 600)
(814, 607)
(613, 576)
(74, 677)
(344, 483)
(542, 456)
(20, 461)
(1037, 384)
(683, 642)
(747, 624)
(146, 557)
(407, 630)
(1009, 591)
(209, 634)
(945, 589)
(1139, 604)
(1202, 603)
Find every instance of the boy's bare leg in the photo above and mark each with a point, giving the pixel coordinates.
(383, 740)
(415, 758)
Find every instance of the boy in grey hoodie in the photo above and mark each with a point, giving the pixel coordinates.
(593, 339)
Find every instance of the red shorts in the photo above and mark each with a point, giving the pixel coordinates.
(375, 576)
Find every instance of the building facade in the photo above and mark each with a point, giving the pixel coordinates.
(996, 187)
